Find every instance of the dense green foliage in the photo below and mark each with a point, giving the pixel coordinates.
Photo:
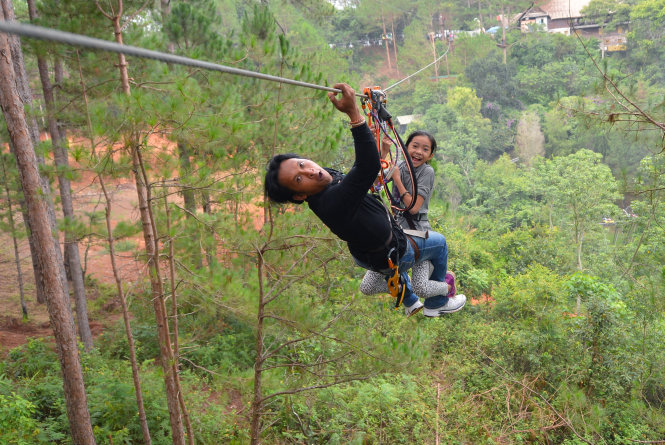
(548, 190)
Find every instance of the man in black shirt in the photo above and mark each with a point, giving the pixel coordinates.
(343, 203)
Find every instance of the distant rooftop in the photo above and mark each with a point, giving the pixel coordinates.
(563, 9)
(408, 118)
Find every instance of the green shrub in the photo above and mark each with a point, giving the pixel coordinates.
(113, 342)
(383, 410)
(17, 426)
(32, 359)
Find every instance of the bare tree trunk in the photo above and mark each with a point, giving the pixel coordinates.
(151, 247)
(189, 198)
(183, 157)
(25, 95)
(40, 292)
(166, 354)
(392, 25)
(116, 275)
(12, 228)
(504, 47)
(211, 245)
(166, 11)
(174, 316)
(390, 67)
(257, 405)
(47, 251)
(578, 238)
(62, 163)
(436, 65)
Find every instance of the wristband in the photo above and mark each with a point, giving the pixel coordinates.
(357, 123)
(403, 195)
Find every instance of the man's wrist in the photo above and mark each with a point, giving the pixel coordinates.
(355, 115)
(357, 123)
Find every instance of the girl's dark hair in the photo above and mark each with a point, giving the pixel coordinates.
(432, 141)
(273, 189)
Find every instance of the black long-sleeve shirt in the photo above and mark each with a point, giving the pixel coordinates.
(348, 209)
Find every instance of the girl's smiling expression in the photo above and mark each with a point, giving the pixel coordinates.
(420, 150)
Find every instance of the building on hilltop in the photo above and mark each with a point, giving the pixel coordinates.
(565, 17)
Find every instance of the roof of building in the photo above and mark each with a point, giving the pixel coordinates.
(533, 13)
(408, 118)
(563, 9)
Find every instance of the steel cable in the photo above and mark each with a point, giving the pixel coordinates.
(39, 32)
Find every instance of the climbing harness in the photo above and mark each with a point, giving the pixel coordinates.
(380, 121)
(396, 284)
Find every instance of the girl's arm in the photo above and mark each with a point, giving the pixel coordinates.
(405, 195)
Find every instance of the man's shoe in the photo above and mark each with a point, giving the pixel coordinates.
(450, 280)
(413, 309)
(454, 304)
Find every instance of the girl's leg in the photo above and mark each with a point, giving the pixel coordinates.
(422, 285)
(434, 249)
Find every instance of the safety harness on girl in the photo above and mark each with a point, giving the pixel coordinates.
(380, 121)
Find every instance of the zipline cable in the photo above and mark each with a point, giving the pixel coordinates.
(421, 69)
(69, 38)
(38, 32)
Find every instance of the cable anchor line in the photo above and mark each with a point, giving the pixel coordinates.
(420, 70)
(38, 32)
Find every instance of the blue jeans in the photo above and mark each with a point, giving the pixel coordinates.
(435, 249)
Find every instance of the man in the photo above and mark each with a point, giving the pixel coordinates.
(343, 203)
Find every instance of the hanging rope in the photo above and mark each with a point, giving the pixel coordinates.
(380, 121)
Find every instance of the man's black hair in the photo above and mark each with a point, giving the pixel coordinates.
(432, 141)
(273, 189)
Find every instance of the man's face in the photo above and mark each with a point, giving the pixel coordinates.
(303, 176)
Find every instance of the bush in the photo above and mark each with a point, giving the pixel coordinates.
(17, 426)
(383, 410)
(32, 359)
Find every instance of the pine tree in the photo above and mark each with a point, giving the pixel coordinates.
(48, 253)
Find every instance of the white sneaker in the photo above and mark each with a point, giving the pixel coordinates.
(413, 309)
(454, 304)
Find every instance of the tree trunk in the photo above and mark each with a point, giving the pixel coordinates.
(578, 238)
(47, 251)
(257, 405)
(189, 199)
(166, 354)
(25, 95)
(436, 65)
(116, 275)
(392, 26)
(12, 228)
(210, 245)
(62, 163)
(503, 37)
(40, 292)
(166, 11)
(174, 316)
(385, 38)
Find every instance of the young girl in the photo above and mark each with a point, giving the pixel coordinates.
(421, 147)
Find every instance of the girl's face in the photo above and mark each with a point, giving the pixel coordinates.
(420, 150)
